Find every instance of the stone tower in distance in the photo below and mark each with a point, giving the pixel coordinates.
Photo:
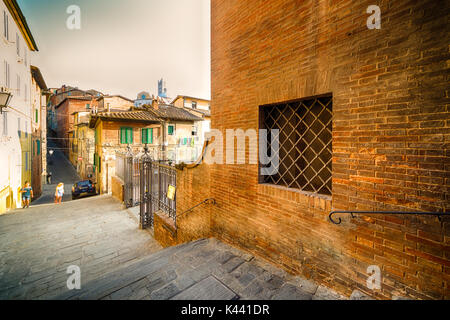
(162, 89)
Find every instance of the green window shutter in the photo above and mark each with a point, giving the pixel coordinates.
(151, 135)
(37, 116)
(38, 144)
(170, 130)
(126, 135)
(130, 135)
(144, 135)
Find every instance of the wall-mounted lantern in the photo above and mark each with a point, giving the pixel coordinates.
(5, 98)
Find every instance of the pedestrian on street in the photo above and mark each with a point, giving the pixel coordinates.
(49, 177)
(59, 193)
(27, 194)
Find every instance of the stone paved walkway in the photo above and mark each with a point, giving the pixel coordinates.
(207, 270)
(119, 261)
(38, 244)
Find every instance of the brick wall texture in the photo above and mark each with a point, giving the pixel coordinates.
(390, 139)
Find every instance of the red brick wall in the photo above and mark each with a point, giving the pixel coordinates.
(390, 137)
(193, 187)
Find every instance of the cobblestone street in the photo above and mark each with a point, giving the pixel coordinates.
(38, 244)
(119, 261)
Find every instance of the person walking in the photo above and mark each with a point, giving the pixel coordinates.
(59, 193)
(27, 194)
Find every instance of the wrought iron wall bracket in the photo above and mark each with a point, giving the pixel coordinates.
(439, 215)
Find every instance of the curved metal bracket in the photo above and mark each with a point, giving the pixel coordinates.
(207, 201)
(352, 213)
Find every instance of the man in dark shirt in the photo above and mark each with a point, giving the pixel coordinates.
(27, 194)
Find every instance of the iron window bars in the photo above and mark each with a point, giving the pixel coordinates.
(305, 136)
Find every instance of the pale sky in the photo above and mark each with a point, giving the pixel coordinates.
(124, 46)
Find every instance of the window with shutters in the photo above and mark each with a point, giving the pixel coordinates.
(38, 147)
(305, 143)
(7, 75)
(147, 136)
(5, 25)
(171, 130)
(126, 135)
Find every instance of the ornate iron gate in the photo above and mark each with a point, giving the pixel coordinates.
(131, 180)
(156, 180)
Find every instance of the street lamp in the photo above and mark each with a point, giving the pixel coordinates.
(5, 98)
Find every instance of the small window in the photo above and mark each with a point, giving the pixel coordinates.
(194, 130)
(194, 104)
(7, 75)
(18, 128)
(305, 143)
(147, 136)
(88, 106)
(126, 135)
(171, 130)
(5, 25)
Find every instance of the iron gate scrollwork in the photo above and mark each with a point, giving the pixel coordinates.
(155, 181)
(131, 179)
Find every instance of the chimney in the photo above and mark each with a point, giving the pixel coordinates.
(155, 103)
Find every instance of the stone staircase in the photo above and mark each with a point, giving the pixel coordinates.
(202, 270)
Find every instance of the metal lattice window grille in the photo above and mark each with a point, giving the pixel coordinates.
(305, 139)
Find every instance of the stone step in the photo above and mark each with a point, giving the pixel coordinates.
(127, 274)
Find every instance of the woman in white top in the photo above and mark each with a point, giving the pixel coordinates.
(59, 193)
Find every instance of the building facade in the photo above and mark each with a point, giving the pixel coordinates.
(83, 146)
(164, 129)
(16, 45)
(365, 126)
(64, 120)
(39, 131)
(113, 103)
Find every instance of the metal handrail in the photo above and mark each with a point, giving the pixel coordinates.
(211, 200)
(352, 213)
